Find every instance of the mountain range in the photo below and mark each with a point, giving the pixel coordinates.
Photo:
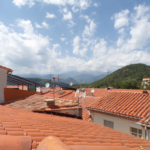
(75, 77)
(128, 77)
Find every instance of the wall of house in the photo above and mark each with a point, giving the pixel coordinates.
(120, 124)
(3, 83)
(14, 94)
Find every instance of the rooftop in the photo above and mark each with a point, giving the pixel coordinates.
(127, 104)
(8, 69)
(71, 131)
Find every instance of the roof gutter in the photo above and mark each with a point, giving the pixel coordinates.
(142, 124)
(112, 113)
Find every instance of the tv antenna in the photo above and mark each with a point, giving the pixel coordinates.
(54, 78)
(107, 79)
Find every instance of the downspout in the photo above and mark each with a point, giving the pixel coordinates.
(145, 129)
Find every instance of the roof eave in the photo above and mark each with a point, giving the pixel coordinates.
(112, 113)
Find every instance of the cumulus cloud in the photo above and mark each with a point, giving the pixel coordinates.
(82, 4)
(48, 15)
(90, 28)
(121, 19)
(95, 4)
(37, 25)
(63, 39)
(71, 24)
(43, 25)
(74, 9)
(67, 15)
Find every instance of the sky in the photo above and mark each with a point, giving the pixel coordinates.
(56, 36)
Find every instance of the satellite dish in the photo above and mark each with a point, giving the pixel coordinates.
(71, 83)
(47, 85)
(38, 89)
(92, 91)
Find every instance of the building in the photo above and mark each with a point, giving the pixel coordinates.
(10, 93)
(3, 81)
(128, 112)
(146, 81)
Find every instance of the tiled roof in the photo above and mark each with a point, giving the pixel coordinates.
(64, 93)
(8, 69)
(35, 102)
(97, 92)
(129, 104)
(84, 103)
(71, 131)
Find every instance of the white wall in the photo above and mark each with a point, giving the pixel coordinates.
(119, 123)
(3, 83)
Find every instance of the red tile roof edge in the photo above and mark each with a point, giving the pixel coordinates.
(116, 114)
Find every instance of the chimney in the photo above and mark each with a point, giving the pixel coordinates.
(50, 102)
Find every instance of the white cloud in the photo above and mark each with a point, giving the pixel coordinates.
(76, 43)
(89, 29)
(74, 9)
(100, 48)
(48, 15)
(121, 19)
(56, 46)
(140, 29)
(45, 25)
(63, 39)
(82, 4)
(71, 24)
(37, 25)
(95, 4)
(76, 47)
(67, 15)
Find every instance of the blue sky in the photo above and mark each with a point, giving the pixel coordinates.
(55, 36)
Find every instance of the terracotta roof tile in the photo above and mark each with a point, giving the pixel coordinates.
(71, 131)
(125, 103)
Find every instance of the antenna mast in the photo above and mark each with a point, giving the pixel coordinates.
(107, 79)
(54, 79)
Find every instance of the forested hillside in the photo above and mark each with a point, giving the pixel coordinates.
(128, 77)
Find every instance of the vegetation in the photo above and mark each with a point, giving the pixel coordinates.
(128, 77)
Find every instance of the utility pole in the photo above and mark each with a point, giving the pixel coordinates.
(107, 79)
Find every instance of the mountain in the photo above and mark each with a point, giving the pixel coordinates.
(68, 80)
(43, 81)
(87, 78)
(129, 77)
(75, 76)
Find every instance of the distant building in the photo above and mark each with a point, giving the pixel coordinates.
(146, 81)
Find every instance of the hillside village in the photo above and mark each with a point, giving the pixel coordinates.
(93, 118)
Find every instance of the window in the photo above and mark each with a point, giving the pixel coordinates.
(109, 124)
(136, 132)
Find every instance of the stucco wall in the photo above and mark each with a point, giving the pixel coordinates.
(3, 83)
(119, 123)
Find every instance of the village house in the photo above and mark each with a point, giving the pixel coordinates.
(123, 110)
